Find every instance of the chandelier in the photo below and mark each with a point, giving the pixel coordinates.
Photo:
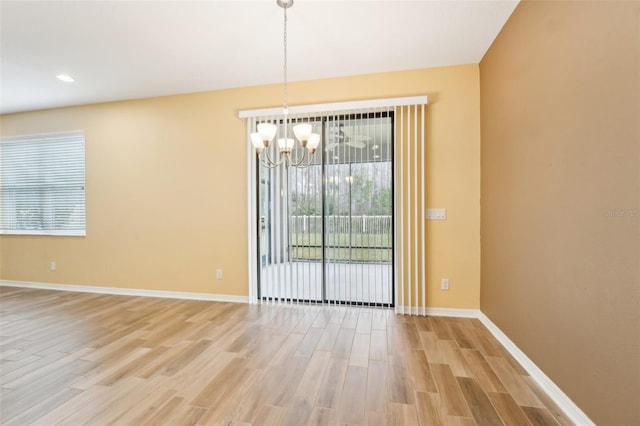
(263, 138)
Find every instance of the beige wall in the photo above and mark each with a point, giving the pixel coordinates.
(560, 153)
(166, 186)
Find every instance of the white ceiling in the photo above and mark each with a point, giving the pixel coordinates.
(136, 49)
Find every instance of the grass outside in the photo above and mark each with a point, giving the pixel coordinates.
(341, 254)
(343, 247)
(343, 240)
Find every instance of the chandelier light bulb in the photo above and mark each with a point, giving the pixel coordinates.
(314, 141)
(257, 142)
(267, 131)
(285, 145)
(302, 132)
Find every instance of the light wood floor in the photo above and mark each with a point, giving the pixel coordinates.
(76, 358)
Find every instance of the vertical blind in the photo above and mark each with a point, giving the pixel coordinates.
(363, 252)
(411, 210)
(42, 184)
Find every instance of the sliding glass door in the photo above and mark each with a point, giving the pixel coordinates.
(358, 210)
(326, 231)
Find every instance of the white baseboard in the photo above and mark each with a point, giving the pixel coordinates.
(450, 312)
(575, 414)
(437, 312)
(128, 291)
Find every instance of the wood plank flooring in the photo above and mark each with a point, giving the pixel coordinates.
(77, 358)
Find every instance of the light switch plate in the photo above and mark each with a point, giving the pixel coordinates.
(436, 214)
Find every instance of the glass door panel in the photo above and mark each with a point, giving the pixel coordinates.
(358, 210)
(326, 231)
(290, 207)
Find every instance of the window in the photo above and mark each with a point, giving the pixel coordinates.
(42, 184)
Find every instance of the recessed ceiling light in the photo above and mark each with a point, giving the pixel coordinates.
(375, 147)
(65, 77)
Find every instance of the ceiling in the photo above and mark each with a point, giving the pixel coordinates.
(136, 49)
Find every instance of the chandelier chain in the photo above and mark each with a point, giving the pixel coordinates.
(286, 94)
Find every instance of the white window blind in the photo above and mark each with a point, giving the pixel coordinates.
(42, 184)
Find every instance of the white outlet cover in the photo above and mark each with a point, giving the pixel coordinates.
(436, 214)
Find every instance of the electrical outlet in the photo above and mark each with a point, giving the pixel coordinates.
(219, 274)
(444, 284)
(52, 266)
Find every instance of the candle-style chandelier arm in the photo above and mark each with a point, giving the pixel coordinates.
(303, 165)
(266, 161)
(301, 160)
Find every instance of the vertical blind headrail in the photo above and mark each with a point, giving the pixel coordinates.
(336, 108)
